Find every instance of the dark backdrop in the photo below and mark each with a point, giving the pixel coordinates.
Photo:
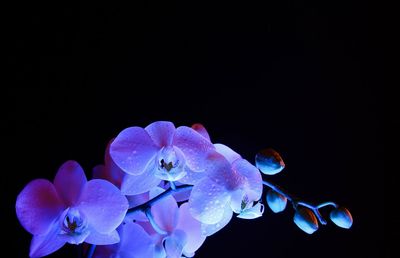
(297, 76)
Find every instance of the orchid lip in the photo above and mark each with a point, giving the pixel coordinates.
(73, 222)
(170, 163)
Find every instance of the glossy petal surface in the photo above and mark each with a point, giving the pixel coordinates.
(38, 205)
(103, 205)
(132, 150)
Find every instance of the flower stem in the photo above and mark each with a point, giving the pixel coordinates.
(90, 251)
(153, 223)
(296, 201)
(143, 207)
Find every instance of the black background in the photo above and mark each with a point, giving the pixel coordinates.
(298, 76)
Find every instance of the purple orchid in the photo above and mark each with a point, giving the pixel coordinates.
(156, 168)
(232, 184)
(176, 232)
(111, 172)
(159, 152)
(135, 243)
(182, 232)
(72, 210)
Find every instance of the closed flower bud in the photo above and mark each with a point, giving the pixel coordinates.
(269, 162)
(305, 219)
(342, 217)
(276, 201)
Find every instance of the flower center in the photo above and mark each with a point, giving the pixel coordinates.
(170, 164)
(167, 166)
(244, 202)
(73, 223)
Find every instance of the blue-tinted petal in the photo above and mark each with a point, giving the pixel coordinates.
(97, 238)
(165, 212)
(69, 182)
(194, 146)
(162, 132)
(135, 242)
(38, 205)
(103, 205)
(201, 130)
(227, 152)
(192, 228)
(45, 244)
(252, 179)
(174, 244)
(132, 150)
(220, 171)
(137, 184)
(210, 229)
(207, 201)
(191, 177)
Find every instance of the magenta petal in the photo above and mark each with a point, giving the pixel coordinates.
(110, 171)
(194, 146)
(42, 245)
(227, 152)
(162, 133)
(69, 182)
(106, 251)
(252, 177)
(207, 201)
(142, 183)
(201, 130)
(192, 228)
(103, 204)
(165, 213)
(98, 172)
(132, 150)
(38, 205)
(97, 238)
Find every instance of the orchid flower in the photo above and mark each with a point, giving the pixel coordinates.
(170, 231)
(232, 184)
(135, 243)
(159, 152)
(178, 232)
(72, 210)
(156, 168)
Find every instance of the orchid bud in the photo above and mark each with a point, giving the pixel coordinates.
(276, 201)
(305, 219)
(269, 162)
(341, 217)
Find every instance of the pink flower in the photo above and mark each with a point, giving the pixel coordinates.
(159, 152)
(72, 210)
(181, 233)
(232, 185)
